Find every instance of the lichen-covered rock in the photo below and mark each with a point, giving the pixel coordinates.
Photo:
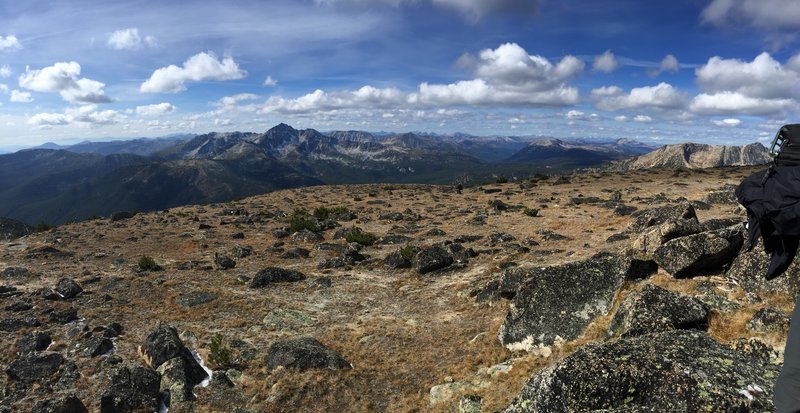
(131, 389)
(687, 256)
(395, 260)
(34, 366)
(655, 236)
(68, 288)
(654, 309)
(223, 262)
(655, 216)
(307, 236)
(179, 376)
(758, 350)
(769, 320)
(432, 258)
(559, 302)
(675, 371)
(271, 275)
(62, 404)
(304, 353)
(35, 341)
(749, 269)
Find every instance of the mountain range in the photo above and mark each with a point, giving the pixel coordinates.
(55, 184)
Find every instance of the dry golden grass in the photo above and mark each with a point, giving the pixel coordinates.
(404, 333)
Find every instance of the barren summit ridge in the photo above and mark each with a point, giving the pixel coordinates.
(364, 298)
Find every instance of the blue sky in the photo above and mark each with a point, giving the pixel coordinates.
(714, 71)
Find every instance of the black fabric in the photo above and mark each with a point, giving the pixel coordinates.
(772, 200)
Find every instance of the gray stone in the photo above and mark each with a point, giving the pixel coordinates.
(62, 404)
(271, 275)
(14, 324)
(64, 316)
(31, 367)
(655, 236)
(769, 320)
(307, 236)
(131, 389)
(470, 403)
(179, 376)
(675, 371)
(432, 258)
(711, 250)
(97, 346)
(749, 269)
(223, 262)
(654, 216)
(68, 288)
(559, 302)
(36, 341)
(395, 260)
(654, 309)
(304, 353)
(195, 298)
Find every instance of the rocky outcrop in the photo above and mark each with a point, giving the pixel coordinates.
(696, 156)
(271, 275)
(749, 269)
(63, 404)
(34, 366)
(304, 353)
(676, 371)
(655, 236)
(557, 303)
(13, 229)
(659, 215)
(654, 309)
(432, 258)
(179, 370)
(131, 388)
(711, 250)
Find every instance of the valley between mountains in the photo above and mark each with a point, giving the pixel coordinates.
(600, 291)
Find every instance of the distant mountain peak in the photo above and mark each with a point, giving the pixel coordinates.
(696, 156)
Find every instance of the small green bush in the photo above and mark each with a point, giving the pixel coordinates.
(358, 235)
(42, 227)
(300, 220)
(323, 213)
(408, 252)
(219, 355)
(148, 264)
(501, 180)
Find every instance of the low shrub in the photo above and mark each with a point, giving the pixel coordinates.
(359, 236)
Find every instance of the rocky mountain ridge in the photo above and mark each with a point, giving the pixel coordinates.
(404, 298)
(696, 156)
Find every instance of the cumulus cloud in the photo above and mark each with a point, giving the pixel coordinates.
(200, 67)
(158, 109)
(578, 115)
(506, 76)
(63, 77)
(760, 87)
(729, 123)
(642, 118)
(662, 96)
(9, 43)
(473, 10)
(86, 115)
(606, 62)
(269, 81)
(233, 103)
(129, 39)
(20, 97)
(766, 14)
(5, 71)
(727, 102)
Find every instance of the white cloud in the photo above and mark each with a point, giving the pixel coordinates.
(5, 71)
(764, 77)
(730, 122)
(506, 76)
(9, 43)
(86, 116)
(20, 97)
(4, 88)
(605, 62)
(48, 119)
(269, 81)
(578, 115)
(725, 103)
(62, 77)
(158, 109)
(766, 14)
(129, 39)
(669, 64)
(662, 96)
(621, 118)
(222, 122)
(200, 67)
(760, 87)
(642, 118)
